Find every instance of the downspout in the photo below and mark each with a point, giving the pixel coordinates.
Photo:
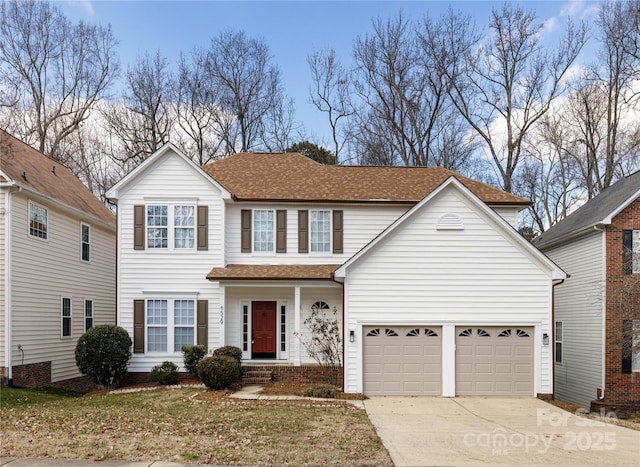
(553, 333)
(7, 283)
(602, 228)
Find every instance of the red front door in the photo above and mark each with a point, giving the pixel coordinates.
(263, 327)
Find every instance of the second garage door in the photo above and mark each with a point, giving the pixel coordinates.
(402, 360)
(494, 361)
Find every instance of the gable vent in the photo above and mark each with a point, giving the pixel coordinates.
(450, 222)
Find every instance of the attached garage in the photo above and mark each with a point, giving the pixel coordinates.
(402, 360)
(494, 361)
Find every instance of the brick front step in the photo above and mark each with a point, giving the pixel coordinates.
(256, 376)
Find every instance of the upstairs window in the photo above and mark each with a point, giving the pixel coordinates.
(263, 230)
(171, 226)
(85, 240)
(37, 221)
(631, 251)
(157, 227)
(320, 231)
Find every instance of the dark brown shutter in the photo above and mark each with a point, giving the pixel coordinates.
(245, 221)
(138, 326)
(138, 227)
(627, 251)
(203, 228)
(203, 322)
(627, 345)
(337, 232)
(303, 231)
(281, 231)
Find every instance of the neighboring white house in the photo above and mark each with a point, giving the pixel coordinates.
(57, 266)
(597, 310)
(436, 291)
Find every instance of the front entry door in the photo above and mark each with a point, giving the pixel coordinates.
(263, 329)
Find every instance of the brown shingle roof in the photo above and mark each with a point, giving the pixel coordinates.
(273, 272)
(294, 177)
(18, 158)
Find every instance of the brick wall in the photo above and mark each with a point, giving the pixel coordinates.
(32, 375)
(623, 302)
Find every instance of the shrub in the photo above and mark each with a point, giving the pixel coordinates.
(229, 351)
(323, 390)
(192, 354)
(218, 371)
(167, 373)
(103, 353)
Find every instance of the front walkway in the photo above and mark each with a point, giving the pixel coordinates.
(253, 393)
(496, 431)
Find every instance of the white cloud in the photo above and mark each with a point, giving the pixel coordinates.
(581, 9)
(83, 4)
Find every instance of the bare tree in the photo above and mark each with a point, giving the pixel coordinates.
(507, 84)
(142, 121)
(250, 85)
(52, 72)
(330, 93)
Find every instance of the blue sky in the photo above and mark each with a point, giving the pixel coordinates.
(292, 29)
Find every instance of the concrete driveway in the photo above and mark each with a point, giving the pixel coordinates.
(422, 431)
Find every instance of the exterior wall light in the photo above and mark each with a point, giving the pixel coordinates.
(352, 336)
(545, 338)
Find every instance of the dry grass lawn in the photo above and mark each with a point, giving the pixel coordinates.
(189, 425)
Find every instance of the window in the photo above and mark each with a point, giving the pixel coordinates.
(37, 221)
(88, 315)
(85, 239)
(631, 251)
(66, 317)
(263, 230)
(630, 345)
(157, 325)
(320, 231)
(558, 341)
(184, 226)
(170, 325)
(635, 346)
(161, 226)
(183, 320)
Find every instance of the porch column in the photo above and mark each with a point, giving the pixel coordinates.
(298, 342)
(222, 316)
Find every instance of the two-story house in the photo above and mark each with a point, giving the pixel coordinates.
(57, 267)
(436, 291)
(597, 311)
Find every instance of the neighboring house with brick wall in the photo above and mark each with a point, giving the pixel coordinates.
(57, 267)
(435, 290)
(597, 310)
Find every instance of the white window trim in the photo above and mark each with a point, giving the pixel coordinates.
(556, 341)
(171, 227)
(82, 225)
(272, 252)
(329, 252)
(93, 313)
(170, 321)
(62, 318)
(32, 203)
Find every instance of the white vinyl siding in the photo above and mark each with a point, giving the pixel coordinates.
(165, 274)
(58, 273)
(579, 303)
(421, 275)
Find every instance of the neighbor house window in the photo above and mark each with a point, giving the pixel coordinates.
(88, 315)
(631, 251)
(558, 337)
(171, 226)
(66, 317)
(184, 324)
(85, 239)
(37, 221)
(320, 231)
(170, 325)
(263, 230)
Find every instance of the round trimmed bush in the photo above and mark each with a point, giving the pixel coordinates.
(229, 351)
(167, 373)
(323, 390)
(103, 353)
(218, 371)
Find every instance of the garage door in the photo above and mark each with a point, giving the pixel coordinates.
(402, 360)
(494, 361)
